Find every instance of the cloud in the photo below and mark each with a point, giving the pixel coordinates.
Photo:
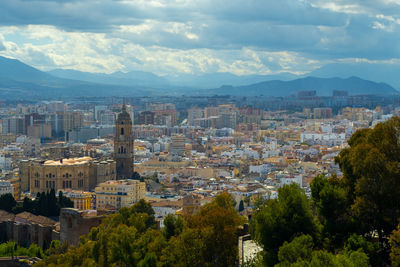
(2, 46)
(167, 36)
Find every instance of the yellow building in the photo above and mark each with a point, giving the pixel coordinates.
(82, 200)
(81, 174)
(119, 193)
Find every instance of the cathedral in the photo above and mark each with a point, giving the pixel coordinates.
(123, 145)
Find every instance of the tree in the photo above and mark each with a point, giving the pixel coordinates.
(371, 249)
(371, 176)
(282, 219)
(241, 206)
(333, 208)
(208, 238)
(394, 242)
(64, 202)
(324, 258)
(127, 239)
(218, 222)
(247, 200)
(53, 209)
(299, 249)
(173, 226)
(136, 176)
(7, 202)
(29, 205)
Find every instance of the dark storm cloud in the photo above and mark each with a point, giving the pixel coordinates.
(69, 15)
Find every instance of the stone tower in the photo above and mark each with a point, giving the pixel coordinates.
(123, 145)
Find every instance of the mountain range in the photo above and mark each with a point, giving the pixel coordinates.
(19, 80)
(322, 86)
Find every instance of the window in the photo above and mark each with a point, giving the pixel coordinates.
(122, 131)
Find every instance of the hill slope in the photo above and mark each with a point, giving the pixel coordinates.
(378, 72)
(19, 80)
(323, 86)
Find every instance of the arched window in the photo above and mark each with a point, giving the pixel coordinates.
(122, 131)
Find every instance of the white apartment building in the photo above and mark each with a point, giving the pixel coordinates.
(6, 188)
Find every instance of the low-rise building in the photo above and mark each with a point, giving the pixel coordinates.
(6, 188)
(119, 193)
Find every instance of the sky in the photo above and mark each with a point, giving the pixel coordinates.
(170, 37)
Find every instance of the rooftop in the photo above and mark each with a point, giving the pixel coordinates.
(70, 161)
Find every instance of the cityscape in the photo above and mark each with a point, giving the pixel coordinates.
(155, 137)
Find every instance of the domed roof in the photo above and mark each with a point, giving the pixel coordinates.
(124, 115)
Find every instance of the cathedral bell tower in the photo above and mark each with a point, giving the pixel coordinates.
(123, 145)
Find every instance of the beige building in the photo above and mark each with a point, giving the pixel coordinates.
(119, 193)
(81, 174)
(177, 146)
(39, 131)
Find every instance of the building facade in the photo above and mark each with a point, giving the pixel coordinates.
(82, 200)
(117, 194)
(177, 147)
(6, 188)
(81, 174)
(123, 145)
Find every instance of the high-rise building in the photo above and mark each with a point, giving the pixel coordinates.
(322, 113)
(210, 112)
(14, 125)
(34, 119)
(123, 145)
(165, 117)
(177, 147)
(193, 115)
(97, 110)
(106, 117)
(146, 117)
(73, 121)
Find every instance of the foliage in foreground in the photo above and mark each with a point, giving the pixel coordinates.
(45, 204)
(348, 219)
(130, 238)
(10, 249)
